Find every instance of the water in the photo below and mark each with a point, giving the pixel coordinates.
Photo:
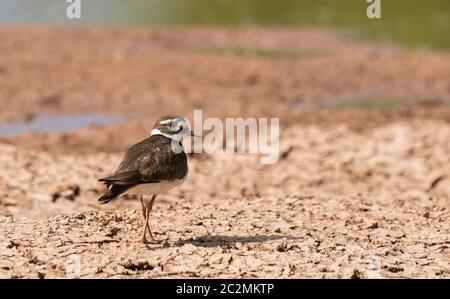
(415, 23)
(49, 124)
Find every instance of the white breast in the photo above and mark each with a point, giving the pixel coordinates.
(155, 188)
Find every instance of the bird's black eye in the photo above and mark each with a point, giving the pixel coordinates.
(171, 125)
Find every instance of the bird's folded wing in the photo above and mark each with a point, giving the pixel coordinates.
(149, 167)
(162, 167)
(132, 177)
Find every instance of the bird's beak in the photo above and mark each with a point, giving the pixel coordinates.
(195, 135)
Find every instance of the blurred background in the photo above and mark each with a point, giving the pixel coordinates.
(251, 57)
(415, 23)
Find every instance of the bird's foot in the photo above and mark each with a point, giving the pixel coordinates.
(143, 241)
(151, 241)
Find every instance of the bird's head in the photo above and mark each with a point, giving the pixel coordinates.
(173, 127)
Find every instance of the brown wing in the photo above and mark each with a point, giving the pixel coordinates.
(151, 160)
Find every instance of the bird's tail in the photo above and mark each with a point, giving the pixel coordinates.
(107, 197)
(113, 192)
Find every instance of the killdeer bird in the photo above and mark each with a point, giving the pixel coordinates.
(151, 167)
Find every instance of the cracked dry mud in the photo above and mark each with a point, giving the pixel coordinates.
(355, 194)
(342, 205)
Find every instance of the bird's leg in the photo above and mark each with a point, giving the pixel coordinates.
(144, 214)
(148, 209)
(141, 199)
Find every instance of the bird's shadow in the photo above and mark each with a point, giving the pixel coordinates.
(221, 240)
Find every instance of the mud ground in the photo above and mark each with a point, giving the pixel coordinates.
(356, 193)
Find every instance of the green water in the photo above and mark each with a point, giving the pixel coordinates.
(413, 23)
